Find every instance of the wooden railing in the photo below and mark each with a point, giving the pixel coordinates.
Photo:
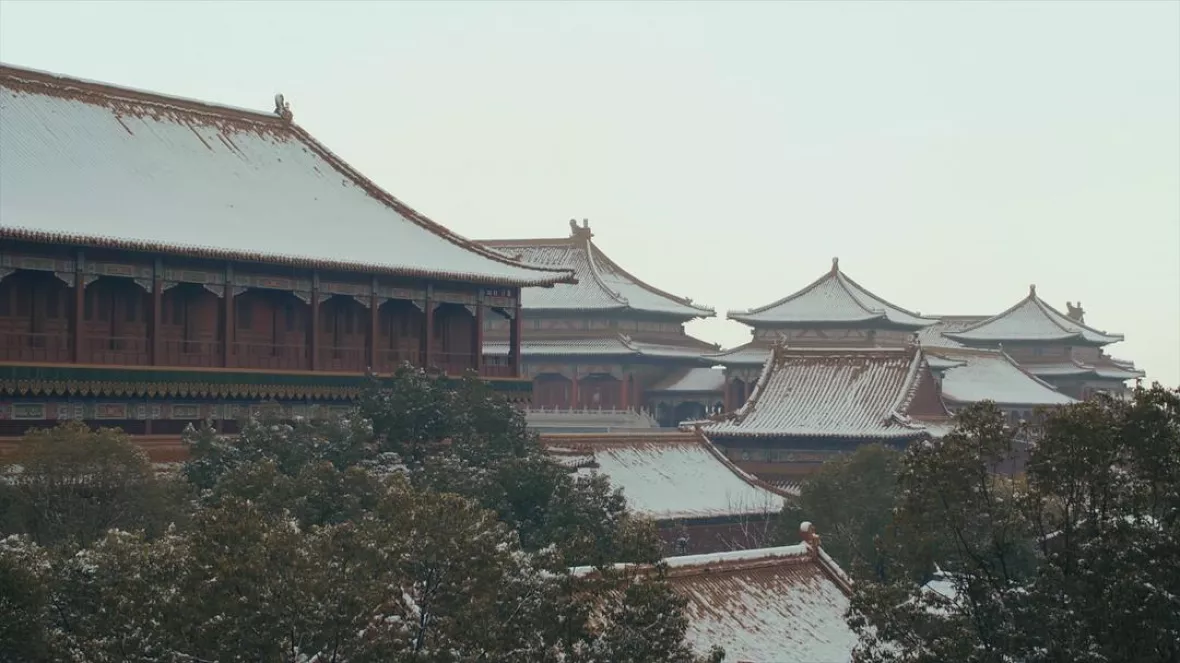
(49, 348)
(205, 354)
(293, 357)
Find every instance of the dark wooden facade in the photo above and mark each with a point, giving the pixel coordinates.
(108, 312)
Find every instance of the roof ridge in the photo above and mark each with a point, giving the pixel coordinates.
(416, 217)
(586, 246)
(1053, 315)
(684, 301)
(1056, 316)
(795, 295)
(909, 386)
(1008, 358)
(850, 281)
(55, 81)
(750, 479)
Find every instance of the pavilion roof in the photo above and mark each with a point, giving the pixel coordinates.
(850, 393)
(742, 355)
(92, 164)
(1106, 368)
(1031, 320)
(697, 380)
(602, 284)
(765, 605)
(615, 345)
(971, 376)
(667, 476)
(832, 298)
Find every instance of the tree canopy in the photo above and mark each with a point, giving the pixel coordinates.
(1078, 559)
(426, 525)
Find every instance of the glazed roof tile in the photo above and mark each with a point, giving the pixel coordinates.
(605, 346)
(983, 375)
(615, 345)
(743, 355)
(935, 334)
(92, 164)
(851, 393)
(1075, 368)
(766, 605)
(1031, 319)
(602, 285)
(668, 476)
(694, 380)
(832, 298)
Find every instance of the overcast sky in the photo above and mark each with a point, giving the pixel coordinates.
(949, 153)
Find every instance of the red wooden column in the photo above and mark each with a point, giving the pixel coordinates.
(374, 331)
(574, 395)
(429, 327)
(477, 341)
(728, 391)
(227, 319)
(157, 311)
(315, 321)
(624, 394)
(79, 306)
(514, 339)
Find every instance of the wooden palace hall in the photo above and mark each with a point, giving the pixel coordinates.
(609, 342)
(165, 261)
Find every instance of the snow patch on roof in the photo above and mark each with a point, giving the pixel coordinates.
(93, 164)
(669, 476)
(694, 380)
(992, 376)
(1030, 320)
(852, 393)
(833, 298)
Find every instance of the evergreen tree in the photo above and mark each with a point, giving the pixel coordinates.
(1077, 561)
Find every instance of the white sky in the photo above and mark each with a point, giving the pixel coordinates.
(949, 153)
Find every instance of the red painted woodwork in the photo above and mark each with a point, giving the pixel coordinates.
(454, 327)
(514, 340)
(343, 335)
(600, 392)
(271, 331)
(400, 325)
(117, 320)
(189, 327)
(552, 391)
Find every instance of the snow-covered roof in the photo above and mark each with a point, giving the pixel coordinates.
(743, 355)
(694, 380)
(766, 605)
(669, 476)
(602, 284)
(599, 346)
(614, 345)
(832, 298)
(934, 335)
(1031, 320)
(1109, 369)
(91, 164)
(852, 393)
(971, 376)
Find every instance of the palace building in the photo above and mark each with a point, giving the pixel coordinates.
(165, 261)
(608, 342)
(1059, 348)
(832, 312)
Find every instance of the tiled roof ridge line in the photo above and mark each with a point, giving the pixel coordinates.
(917, 370)
(795, 295)
(59, 83)
(593, 249)
(833, 570)
(707, 563)
(1055, 316)
(767, 368)
(745, 476)
(376, 191)
(1008, 358)
(1046, 309)
(588, 247)
(846, 280)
